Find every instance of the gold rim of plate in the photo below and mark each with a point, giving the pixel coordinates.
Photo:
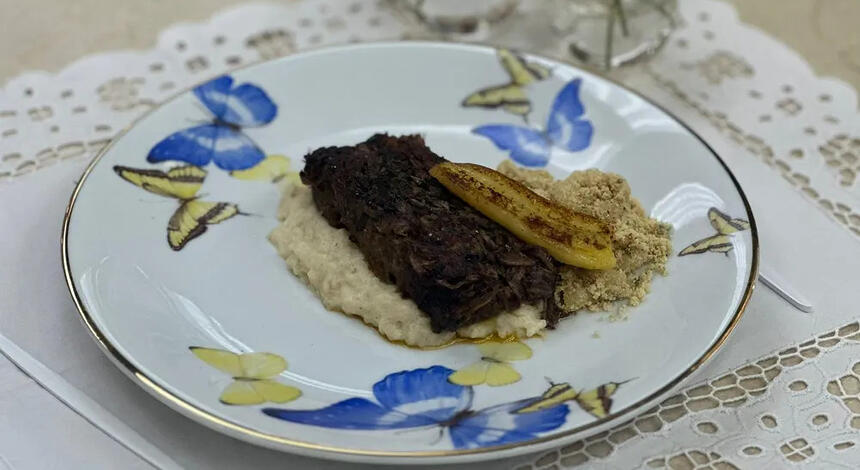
(158, 390)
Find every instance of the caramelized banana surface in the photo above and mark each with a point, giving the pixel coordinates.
(570, 237)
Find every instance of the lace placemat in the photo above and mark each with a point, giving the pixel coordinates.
(787, 134)
(799, 124)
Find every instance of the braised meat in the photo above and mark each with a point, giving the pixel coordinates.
(458, 266)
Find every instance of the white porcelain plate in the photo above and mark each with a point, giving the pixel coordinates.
(216, 326)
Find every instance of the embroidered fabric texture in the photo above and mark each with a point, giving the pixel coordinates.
(801, 125)
(797, 405)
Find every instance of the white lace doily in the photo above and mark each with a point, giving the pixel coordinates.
(767, 98)
(799, 405)
(799, 124)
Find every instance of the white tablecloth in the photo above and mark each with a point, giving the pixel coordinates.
(782, 390)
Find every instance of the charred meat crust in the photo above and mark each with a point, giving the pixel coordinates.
(458, 266)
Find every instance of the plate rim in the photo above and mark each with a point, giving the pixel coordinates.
(241, 431)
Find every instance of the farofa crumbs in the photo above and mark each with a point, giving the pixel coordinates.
(641, 245)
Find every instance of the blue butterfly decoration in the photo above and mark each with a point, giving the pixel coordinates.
(566, 129)
(222, 140)
(424, 398)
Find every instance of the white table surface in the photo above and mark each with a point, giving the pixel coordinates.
(40, 432)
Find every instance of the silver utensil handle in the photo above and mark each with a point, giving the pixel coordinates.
(772, 281)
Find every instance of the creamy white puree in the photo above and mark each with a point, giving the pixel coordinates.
(334, 268)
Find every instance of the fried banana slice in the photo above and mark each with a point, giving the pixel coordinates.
(570, 237)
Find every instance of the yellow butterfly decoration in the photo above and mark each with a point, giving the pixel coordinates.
(493, 368)
(273, 168)
(254, 376)
(597, 402)
(189, 221)
(719, 242)
(511, 97)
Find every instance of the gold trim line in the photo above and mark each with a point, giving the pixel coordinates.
(216, 422)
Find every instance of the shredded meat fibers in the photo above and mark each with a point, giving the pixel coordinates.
(458, 266)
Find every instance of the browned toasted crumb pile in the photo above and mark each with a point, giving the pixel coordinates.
(641, 244)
